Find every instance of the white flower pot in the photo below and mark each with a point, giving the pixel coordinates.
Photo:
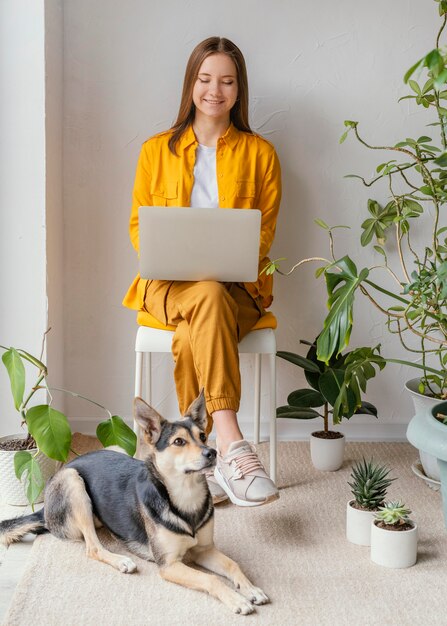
(394, 548)
(422, 403)
(327, 454)
(358, 525)
(12, 490)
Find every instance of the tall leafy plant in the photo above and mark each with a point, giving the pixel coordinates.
(49, 429)
(416, 177)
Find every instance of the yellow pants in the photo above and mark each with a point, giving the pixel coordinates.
(210, 319)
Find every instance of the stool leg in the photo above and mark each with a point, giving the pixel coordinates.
(148, 379)
(273, 417)
(257, 397)
(138, 382)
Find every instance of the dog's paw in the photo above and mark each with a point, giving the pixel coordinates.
(239, 604)
(126, 565)
(255, 595)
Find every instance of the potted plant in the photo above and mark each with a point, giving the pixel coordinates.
(369, 486)
(407, 280)
(427, 431)
(335, 389)
(394, 536)
(28, 459)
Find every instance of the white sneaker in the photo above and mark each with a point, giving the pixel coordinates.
(242, 476)
(217, 493)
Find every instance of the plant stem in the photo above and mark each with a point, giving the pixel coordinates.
(78, 395)
(326, 417)
(315, 258)
(440, 30)
(32, 392)
(421, 367)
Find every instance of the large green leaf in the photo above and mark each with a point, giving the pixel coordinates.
(305, 398)
(366, 408)
(341, 399)
(115, 432)
(16, 371)
(360, 368)
(27, 467)
(51, 431)
(341, 280)
(299, 360)
(294, 413)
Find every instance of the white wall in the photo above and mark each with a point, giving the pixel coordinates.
(23, 306)
(311, 66)
(54, 87)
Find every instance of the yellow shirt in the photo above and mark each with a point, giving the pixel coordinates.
(248, 177)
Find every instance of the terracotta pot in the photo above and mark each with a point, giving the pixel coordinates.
(327, 454)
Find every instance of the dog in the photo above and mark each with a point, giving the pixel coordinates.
(160, 508)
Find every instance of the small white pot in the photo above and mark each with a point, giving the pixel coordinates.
(327, 454)
(358, 525)
(393, 548)
(12, 490)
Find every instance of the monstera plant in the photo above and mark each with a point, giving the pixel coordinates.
(48, 433)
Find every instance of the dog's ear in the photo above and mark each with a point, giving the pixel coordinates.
(197, 411)
(148, 419)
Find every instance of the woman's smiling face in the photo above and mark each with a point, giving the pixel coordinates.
(215, 91)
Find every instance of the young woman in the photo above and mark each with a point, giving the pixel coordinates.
(211, 158)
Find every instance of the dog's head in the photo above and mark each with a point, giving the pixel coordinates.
(176, 447)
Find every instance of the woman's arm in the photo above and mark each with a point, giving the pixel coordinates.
(269, 200)
(141, 193)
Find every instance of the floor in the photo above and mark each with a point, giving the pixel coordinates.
(13, 560)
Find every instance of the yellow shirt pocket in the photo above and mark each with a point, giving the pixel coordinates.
(165, 194)
(245, 193)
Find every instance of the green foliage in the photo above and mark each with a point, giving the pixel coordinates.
(369, 484)
(16, 371)
(342, 281)
(26, 466)
(393, 513)
(417, 307)
(115, 432)
(337, 384)
(49, 427)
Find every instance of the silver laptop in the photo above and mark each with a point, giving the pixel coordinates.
(184, 243)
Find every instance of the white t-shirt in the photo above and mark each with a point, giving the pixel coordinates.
(204, 192)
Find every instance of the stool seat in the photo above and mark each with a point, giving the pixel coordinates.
(146, 319)
(153, 336)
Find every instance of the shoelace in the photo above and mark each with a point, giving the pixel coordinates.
(246, 462)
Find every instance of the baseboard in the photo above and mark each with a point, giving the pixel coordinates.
(291, 430)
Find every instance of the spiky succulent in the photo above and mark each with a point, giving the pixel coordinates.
(393, 513)
(369, 484)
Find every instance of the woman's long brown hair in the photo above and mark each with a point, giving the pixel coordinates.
(239, 112)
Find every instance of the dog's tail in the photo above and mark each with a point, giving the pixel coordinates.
(12, 530)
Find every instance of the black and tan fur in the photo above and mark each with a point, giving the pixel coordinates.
(161, 508)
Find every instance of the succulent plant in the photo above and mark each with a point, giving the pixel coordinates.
(370, 483)
(393, 513)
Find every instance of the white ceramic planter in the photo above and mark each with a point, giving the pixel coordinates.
(12, 490)
(358, 525)
(393, 548)
(422, 403)
(327, 454)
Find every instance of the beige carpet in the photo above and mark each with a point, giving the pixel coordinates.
(295, 549)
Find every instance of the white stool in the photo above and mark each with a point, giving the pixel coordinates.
(257, 342)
